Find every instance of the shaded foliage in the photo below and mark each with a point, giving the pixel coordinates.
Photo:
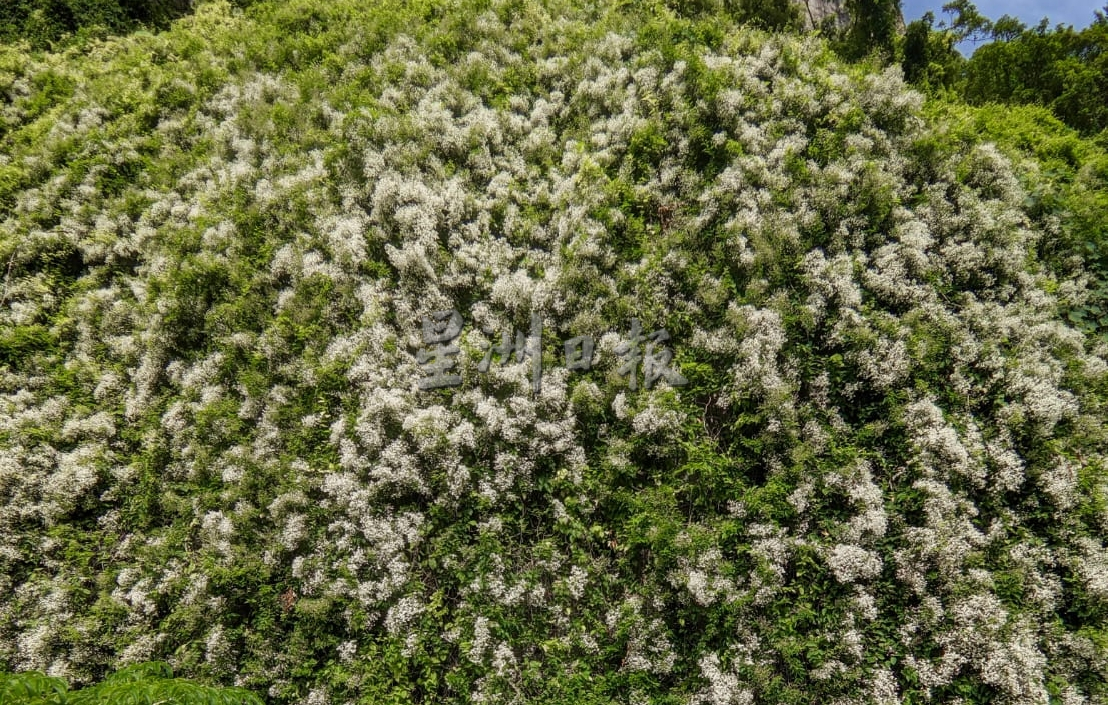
(43, 23)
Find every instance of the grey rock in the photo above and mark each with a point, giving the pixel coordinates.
(813, 12)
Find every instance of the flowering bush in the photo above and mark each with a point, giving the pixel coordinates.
(884, 480)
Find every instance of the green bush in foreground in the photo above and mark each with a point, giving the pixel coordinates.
(140, 684)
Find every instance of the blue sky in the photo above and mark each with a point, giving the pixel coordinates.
(1078, 13)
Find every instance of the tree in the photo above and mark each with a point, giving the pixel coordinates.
(1007, 28)
(928, 57)
(968, 23)
(1061, 68)
(872, 28)
(916, 54)
(770, 15)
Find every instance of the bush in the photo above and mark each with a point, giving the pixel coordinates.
(139, 684)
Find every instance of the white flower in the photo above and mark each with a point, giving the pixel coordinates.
(403, 613)
(481, 640)
(218, 651)
(723, 689)
(503, 659)
(850, 563)
(578, 578)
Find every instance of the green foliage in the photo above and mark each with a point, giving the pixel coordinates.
(872, 29)
(139, 684)
(768, 15)
(968, 23)
(223, 236)
(1063, 69)
(928, 57)
(31, 688)
(43, 24)
(916, 48)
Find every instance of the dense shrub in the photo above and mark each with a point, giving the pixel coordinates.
(139, 683)
(882, 481)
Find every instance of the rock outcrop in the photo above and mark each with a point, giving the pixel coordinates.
(813, 12)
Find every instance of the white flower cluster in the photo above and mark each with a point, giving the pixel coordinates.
(724, 687)
(852, 563)
(704, 579)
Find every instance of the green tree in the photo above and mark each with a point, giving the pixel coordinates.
(928, 57)
(1007, 28)
(968, 23)
(1063, 69)
(916, 50)
(872, 29)
(770, 15)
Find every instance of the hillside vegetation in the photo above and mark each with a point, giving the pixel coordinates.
(1063, 69)
(870, 466)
